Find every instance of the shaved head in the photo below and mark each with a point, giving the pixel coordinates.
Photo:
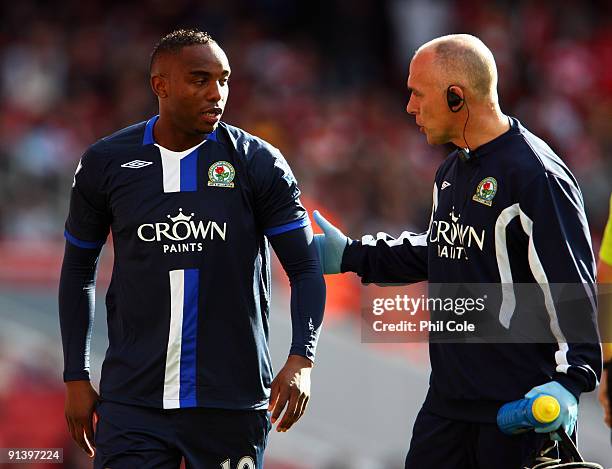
(464, 60)
(453, 92)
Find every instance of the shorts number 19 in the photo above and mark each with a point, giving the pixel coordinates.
(246, 462)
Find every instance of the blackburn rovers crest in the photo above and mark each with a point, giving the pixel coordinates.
(485, 191)
(221, 174)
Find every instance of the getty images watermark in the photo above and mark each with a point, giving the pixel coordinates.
(409, 306)
(482, 313)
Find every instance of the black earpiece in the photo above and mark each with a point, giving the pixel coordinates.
(455, 102)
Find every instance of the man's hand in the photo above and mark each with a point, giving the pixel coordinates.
(81, 399)
(330, 246)
(291, 387)
(604, 399)
(569, 407)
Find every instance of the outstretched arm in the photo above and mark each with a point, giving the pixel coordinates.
(385, 259)
(380, 259)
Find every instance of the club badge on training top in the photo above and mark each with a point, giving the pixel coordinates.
(485, 191)
(221, 174)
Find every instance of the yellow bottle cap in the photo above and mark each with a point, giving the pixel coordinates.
(545, 409)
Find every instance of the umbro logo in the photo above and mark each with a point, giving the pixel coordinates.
(445, 184)
(136, 164)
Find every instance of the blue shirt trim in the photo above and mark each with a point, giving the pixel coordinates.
(294, 225)
(148, 139)
(83, 244)
(189, 172)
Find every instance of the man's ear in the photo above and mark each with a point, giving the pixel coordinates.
(159, 85)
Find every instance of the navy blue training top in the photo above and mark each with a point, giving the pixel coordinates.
(511, 214)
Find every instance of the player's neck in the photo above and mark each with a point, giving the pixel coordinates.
(173, 138)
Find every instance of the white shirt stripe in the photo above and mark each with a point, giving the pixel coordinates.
(537, 269)
(503, 263)
(172, 378)
(171, 166)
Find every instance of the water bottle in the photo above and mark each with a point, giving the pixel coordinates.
(526, 414)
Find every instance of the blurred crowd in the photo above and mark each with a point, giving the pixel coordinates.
(323, 81)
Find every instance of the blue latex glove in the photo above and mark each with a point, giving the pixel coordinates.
(569, 407)
(330, 245)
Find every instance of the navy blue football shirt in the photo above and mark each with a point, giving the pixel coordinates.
(189, 298)
(512, 214)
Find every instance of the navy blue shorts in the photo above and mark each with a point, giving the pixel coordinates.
(441, 443)
(129, 437)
